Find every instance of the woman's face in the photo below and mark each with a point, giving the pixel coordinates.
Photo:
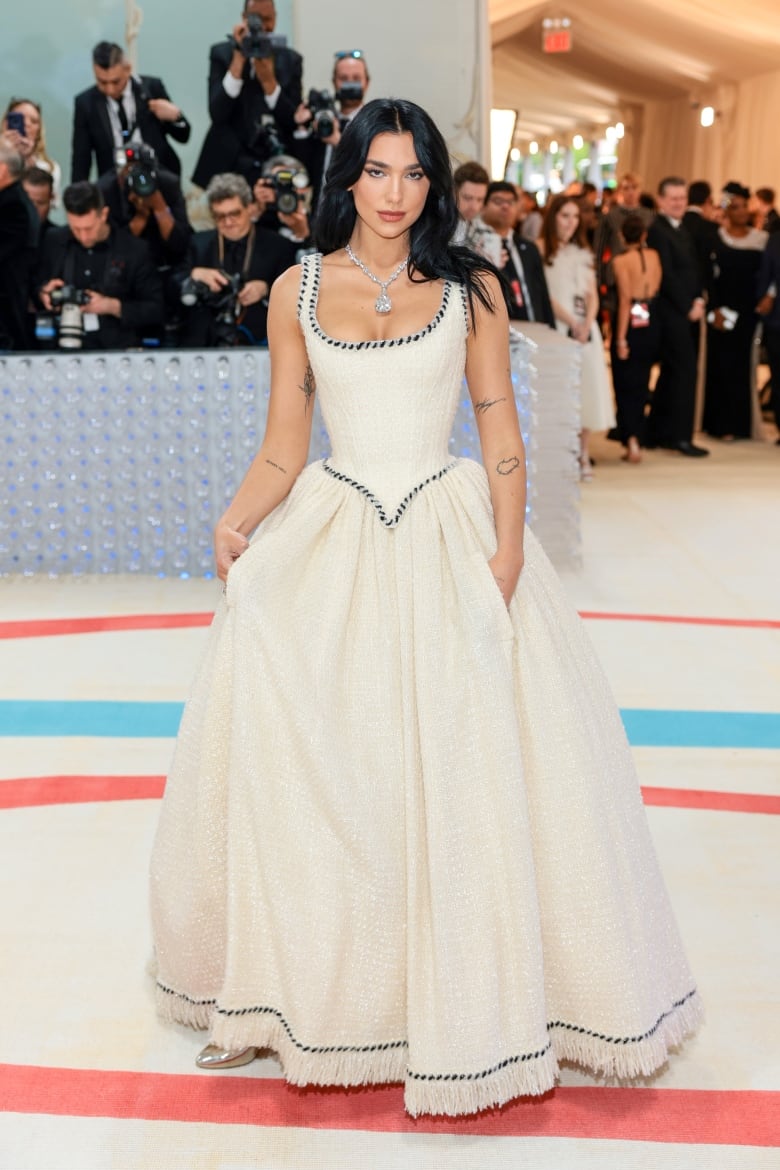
(32, 122)
(567, 221)
(391, 191)
(738, 211)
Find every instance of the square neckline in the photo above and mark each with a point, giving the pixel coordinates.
(370, 343)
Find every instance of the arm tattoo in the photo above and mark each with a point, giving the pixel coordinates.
(485, 404)
(507, 466)
(271, 463)
(309, 386)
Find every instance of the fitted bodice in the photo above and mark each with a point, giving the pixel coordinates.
(388, 406)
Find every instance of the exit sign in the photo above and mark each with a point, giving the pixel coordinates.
(556, 40)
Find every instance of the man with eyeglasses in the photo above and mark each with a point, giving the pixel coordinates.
(518, 260)
(236, 251)
(252, 99)
(350, 83)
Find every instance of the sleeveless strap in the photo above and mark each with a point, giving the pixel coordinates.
(309, 281)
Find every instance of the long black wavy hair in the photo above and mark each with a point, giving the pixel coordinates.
(431, 254)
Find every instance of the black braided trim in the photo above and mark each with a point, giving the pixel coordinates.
(380, 344)
(523, 1058)
(388, 521)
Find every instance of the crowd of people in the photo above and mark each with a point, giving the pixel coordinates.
(127, 269)
(678, 278)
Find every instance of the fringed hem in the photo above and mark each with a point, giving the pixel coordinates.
(459, 1096)
(630, 1059)
(456, 1094)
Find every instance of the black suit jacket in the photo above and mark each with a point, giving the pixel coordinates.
(536, 282)
(230, 141)
(272, 255)
(92, 132)
(704, 234)
(768, 275)
(681, 283)
(19, 231)
(129, 275)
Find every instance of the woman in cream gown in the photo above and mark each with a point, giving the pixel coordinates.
(402, 838)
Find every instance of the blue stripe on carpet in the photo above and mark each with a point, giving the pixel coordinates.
(645, 728)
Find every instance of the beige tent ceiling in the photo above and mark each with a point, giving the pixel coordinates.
(625, 54)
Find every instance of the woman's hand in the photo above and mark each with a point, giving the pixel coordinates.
(228, 547)
(506, 572)
(621, 349)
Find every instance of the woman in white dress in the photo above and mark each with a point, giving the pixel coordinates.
(571, 280)
(402, 839)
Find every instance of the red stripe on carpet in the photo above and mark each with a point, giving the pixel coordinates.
(690, 1116)
(747, 802)
(100, 625)
(172, 621)
(674, 619)
(35, 791)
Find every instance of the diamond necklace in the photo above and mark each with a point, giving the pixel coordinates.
(383, 304)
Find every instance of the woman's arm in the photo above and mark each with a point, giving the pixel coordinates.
(285, 447)
(490, 385)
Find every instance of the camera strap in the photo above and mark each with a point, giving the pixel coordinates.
(250, 247)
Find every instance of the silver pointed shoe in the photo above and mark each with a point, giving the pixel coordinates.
(213, 1057)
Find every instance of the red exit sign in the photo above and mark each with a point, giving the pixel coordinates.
(557, 40)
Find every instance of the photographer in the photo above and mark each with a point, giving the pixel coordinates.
(283, 198)
(18, 241)
(120, 110)
(320, 122)
(232, 269)
(149, 203)
(254, 90)
(39, 185)
(101, 271)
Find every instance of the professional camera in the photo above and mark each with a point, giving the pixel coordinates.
(71, 325)
(223, 305)
(287, 184)
(141, 163)
(324, 118)
(257, 45)
(267, 141)
(351, 91)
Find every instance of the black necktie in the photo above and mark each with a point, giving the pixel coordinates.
(123, 122)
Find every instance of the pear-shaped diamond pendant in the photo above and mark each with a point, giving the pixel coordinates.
(383, 303)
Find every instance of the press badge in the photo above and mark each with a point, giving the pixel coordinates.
(91, 322)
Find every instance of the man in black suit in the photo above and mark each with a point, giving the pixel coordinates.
(518, 260)
(148, 202)
(700, 225)
(236, 248)
(680, 304)
(113, 269)
(39, 185)
(120, 110)
(18, 242)
(252, 100)
(351, 80)
(763, 204)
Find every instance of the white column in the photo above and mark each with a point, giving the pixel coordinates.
(435, 53)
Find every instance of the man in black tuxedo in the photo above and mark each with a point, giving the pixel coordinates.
(236, 248)
(120, 110)
(113, 269)
(19, 227)
(680, 304)
(252, 101)
(518, 260)
(700, 225)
